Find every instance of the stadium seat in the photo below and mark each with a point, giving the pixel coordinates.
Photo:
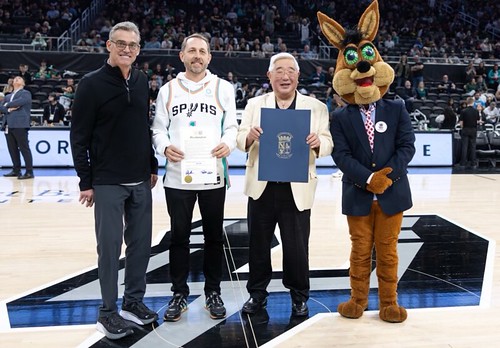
(46, 88)
(417, 103)
(484, 153)
(441, 103)
(36, 104)
(41, 96)
(429, 103)
(4, 77)
(33, 88)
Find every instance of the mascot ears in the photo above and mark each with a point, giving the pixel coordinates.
(367, 26)
(361, 75)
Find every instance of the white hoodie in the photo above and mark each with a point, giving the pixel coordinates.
(208, 104)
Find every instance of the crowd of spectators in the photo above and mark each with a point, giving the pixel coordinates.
(234, 28)
(436, 31)
(451, 31)
(38, 23)
(454, 30)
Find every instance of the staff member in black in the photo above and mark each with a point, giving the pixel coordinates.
(53, 112)
(114, 159)
(17, 110)
(468, 120)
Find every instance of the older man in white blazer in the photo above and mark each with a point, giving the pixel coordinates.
(286, 204)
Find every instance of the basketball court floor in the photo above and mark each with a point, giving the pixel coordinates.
(448, 281)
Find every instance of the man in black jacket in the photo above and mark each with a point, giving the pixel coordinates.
(469, 117)
(114, 159)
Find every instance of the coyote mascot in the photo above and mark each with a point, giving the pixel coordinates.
(374, 142)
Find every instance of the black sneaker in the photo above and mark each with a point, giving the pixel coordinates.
(114, 327)
(176, 306)
(215, 306)
(138, 313)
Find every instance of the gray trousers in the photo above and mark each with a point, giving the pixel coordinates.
(122, 213)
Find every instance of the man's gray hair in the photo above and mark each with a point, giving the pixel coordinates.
(282, 55)
(126, 26)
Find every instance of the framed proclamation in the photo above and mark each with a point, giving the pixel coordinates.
(283, 152)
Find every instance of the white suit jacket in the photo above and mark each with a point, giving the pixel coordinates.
(303, 193)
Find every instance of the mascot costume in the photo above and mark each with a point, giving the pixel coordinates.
(374, 142)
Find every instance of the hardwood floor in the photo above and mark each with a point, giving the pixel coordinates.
(47, 236)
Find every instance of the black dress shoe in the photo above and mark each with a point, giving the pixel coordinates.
(299, 309)
(12, 174)
(253, 305)
(26, 175)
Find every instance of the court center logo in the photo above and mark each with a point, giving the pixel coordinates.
(435, 270)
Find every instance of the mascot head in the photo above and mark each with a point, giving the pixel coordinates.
(361, 75)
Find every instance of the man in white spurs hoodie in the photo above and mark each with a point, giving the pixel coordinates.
(195, 102)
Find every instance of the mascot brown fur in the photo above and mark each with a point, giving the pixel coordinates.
(362, 78)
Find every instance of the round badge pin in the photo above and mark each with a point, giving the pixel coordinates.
(381, 126)
(188, 179)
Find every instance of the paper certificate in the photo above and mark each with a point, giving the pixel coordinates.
(198, 165)
(283, 151)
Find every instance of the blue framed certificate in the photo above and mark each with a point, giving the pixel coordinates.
(283, 151)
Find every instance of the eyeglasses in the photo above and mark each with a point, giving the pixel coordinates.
(281, 72)
(121, 45)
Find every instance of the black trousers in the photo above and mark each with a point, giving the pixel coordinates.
(276, 206)
(469, 136)
(180, 205)
(17, 142)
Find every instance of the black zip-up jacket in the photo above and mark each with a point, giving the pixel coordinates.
(110, 135)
